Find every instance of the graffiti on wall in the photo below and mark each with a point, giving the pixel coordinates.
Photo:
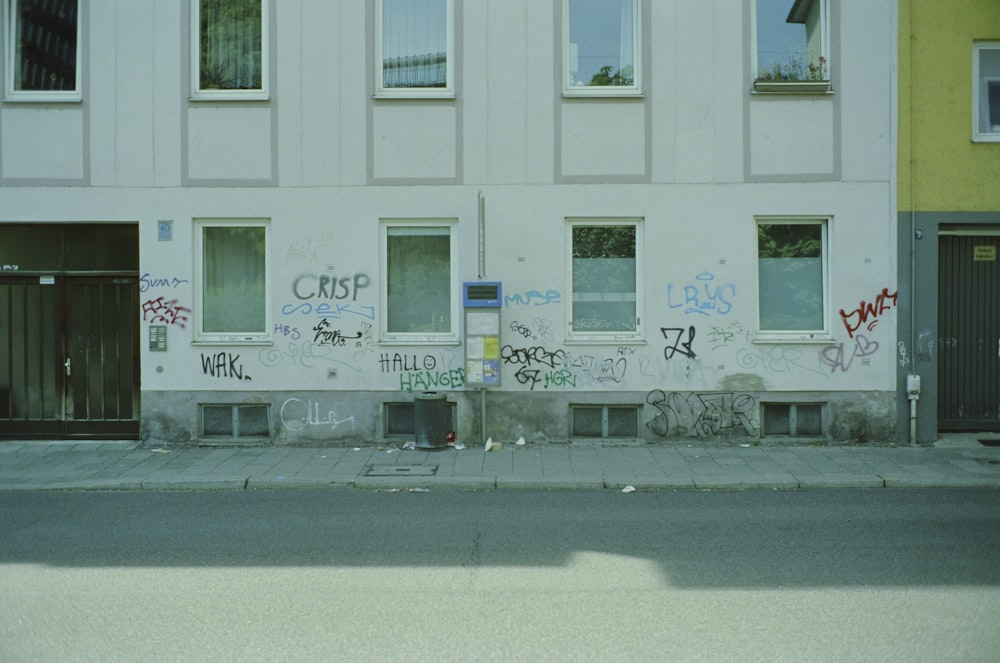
(868, 313)
(148, 281)
(676, 343)
(532, 298)
(168, 312)
(223, 365)
(702, 414)
(298, 414)
(703, 296)
(839, 357)
(310, 286)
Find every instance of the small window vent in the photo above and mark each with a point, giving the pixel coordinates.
(604, 421)
(793, 419)
(235, 421)
(398, 419)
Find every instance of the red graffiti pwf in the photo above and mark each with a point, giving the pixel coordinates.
(868, 313)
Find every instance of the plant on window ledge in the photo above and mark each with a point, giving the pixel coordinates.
(794, 69)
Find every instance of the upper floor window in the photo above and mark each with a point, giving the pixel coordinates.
(413, 45)
(986, 92)
(791, 46)
(601, 47)
(419, 277)
(791, 278)
(604, 277)
(231, 275)
(229, 49)
(43, 50)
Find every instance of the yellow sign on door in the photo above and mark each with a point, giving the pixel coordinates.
(984, 253)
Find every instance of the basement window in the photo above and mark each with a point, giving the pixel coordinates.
(399, 419)
(793, 419)
(604, 421)
(235, 421)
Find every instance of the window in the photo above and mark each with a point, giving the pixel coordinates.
(785, 419)
(44, 50)
(229, 49)
(986, 92)
(235, 421)
(618, 421)
(420, 297)
(601, 47)
(231, 272)
(791, 278)
(604, 279)
(399, 419)
(791, 38)
(413, 45)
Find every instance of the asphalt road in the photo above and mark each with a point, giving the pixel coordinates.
(839, 575)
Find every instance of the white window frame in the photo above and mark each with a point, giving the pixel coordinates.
(12, 94)
(446, 92)
(823, 335)
(450, 337)
(593, 336)
(793, 86)
(634, 90)
(235, 338)
(979, 104)
(198, 94)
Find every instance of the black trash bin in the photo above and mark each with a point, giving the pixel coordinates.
(431, 420)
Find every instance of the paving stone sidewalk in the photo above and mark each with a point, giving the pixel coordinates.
(129, 466)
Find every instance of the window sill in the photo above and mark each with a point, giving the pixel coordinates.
(792, 87)
(805, 338)
(234, 339)
(609, 339)
(419, 94)
(43, 98)
(230, 95)
(987, 138)
(418, 340)
(602, 93)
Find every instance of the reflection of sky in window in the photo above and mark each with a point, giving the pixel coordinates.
(413, 27)
(600, 34)
(777, 40)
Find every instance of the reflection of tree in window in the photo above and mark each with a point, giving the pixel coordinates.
(604, 278)
(46, 45)
(230, 44)
(790, 41)
(790, 262)
(419, 280)
(601, 43)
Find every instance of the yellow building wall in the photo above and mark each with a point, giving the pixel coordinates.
(940, 169)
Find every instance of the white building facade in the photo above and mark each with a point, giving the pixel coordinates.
(265, 212)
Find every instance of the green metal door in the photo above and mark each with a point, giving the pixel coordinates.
(969, 332)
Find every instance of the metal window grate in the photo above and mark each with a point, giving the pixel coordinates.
(793, 419)
(238, 421)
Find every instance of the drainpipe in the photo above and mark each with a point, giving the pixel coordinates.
(913, 380)
(482, 277)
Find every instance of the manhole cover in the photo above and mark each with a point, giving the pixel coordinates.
(401, 470)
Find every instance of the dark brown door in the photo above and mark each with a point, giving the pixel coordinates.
(68, 357)
(969, 333)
